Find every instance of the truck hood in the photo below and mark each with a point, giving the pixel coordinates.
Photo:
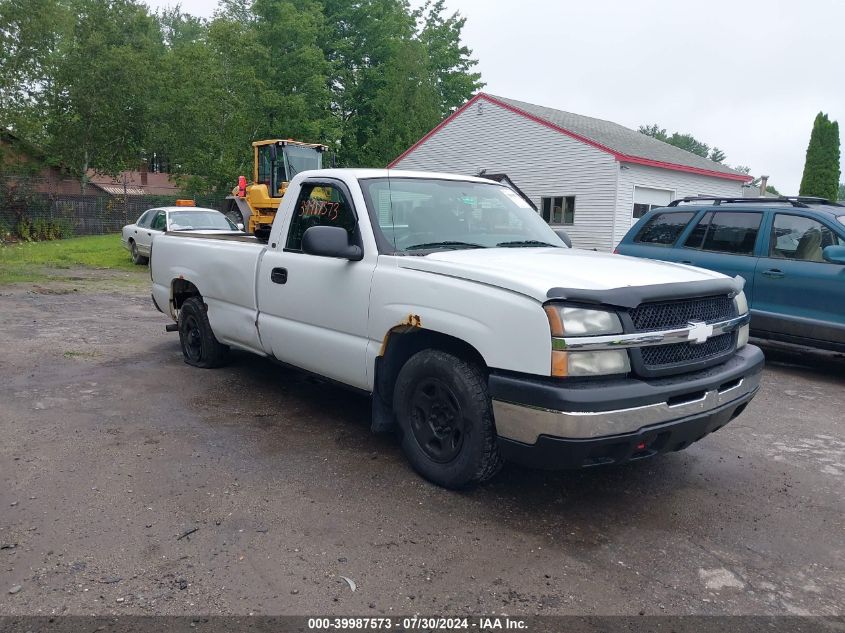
(544, 273)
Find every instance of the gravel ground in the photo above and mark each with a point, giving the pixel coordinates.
(133, 483)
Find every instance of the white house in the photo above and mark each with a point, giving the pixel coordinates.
(591, 176)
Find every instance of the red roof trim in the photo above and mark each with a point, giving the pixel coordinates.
(617, 155)
(692, 170)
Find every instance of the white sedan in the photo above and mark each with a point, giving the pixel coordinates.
(137, 238)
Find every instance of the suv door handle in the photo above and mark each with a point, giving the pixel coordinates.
(279, 275)
(685, 261)
(774, 273)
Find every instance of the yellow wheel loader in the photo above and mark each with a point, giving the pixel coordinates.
(275, 163)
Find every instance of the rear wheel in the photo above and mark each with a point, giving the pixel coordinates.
(446, 421)
(199, 346)
(137, 258)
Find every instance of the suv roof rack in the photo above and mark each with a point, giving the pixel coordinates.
(795, 201)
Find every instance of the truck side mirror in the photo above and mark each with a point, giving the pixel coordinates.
(330, 241)
(834, 254)
(563, 236)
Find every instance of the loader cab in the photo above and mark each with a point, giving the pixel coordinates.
(278, 161)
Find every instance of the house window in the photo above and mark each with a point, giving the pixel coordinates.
(558, 209)
(641, 208)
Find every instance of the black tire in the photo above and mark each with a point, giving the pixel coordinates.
(137, 258)
(199, 347)
(445, 419)
(234, 214)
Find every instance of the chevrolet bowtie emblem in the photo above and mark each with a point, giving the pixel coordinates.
(699, 332)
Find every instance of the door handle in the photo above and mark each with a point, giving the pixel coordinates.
(279, 275)
(774, 273)
(685, 261)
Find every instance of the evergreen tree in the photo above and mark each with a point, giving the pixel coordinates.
(717, 155)
(821, 168)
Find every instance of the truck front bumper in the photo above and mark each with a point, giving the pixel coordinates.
(557, 424)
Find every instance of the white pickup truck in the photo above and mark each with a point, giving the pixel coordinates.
(480, 335)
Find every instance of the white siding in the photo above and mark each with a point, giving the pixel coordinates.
(681, 183)
(544, 162)
(539, 160)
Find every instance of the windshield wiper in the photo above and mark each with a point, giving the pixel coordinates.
(518, 243)
(444, 243)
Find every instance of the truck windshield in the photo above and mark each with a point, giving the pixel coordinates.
(420, 214)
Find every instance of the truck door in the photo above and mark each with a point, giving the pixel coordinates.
(313, 310)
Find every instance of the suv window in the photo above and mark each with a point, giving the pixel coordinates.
(159, 222)
(799, 238)
(726, 232)
(664, 228)
(319, 205)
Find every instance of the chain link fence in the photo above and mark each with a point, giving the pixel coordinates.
(50, 216)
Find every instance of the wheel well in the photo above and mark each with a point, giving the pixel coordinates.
(401, 343)
(181, 291)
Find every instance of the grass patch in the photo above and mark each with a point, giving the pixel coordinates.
(37, 261)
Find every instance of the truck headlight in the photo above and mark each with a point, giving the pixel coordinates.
(590, 363)
(568, 321)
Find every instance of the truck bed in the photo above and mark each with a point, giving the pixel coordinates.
(224, 267)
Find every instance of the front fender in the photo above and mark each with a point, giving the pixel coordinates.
(509, 330)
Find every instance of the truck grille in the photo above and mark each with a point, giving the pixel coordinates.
(675, 314)
(666, 355)
(676, 357)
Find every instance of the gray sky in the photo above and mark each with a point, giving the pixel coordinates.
(747, 76)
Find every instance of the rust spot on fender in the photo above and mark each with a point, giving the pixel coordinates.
(413, 320)
(410, 322)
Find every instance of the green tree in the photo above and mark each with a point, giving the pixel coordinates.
(395, 74)
(254, 71)
(717, 155)
(655, 131)
(841, 195)
(101, 87)
(30, 32)
(685, 141)
(821, 167)
(689, 143)
(450, 62)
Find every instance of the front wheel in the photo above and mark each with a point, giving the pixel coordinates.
(445, 417)
(199, 346)
(137, 258)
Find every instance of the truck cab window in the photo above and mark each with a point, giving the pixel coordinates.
(319, 205)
